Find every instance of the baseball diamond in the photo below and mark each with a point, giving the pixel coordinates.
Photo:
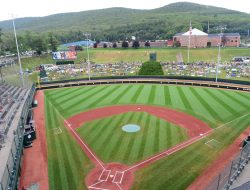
(175, 124)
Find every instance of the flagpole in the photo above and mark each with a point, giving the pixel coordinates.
(189, 39)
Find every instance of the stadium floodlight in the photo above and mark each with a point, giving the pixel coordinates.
(221, 27)
(88, 35)
(18, 54)
(189, 39)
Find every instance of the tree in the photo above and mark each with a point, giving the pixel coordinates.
(125, 44)
(40, 45)
(136, 44)
(151, 68)
(78, 48)
(53, 42)
(114, 45)
(147, 44)
(105, 45)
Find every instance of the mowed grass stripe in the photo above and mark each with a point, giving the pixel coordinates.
(117, 141)
(206, 105)
(67, 92)
(129, 95)
(131, 142)
(80, 100)
(122, 144)
(221, 102)
(107, 133)
(76, 94)
(98, 130)
(168, 100)
(54, 178)
(184, 99)
(59, 155)
(121, 94)
(159, 96)
(150, 138)
(106, 94)
(60, 92)
(176, 99)
(151, 96)
(198, 107)
(245, 95)
(137, 143)
(143, 97)
(157, 135)
(228, 101)
(129, 137)
(137, 93)
(144, 138)
(218, 108)
(233, 98)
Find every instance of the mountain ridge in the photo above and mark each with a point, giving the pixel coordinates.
(165, 20)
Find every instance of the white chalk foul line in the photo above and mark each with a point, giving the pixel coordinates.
(77, 136)
(231, 121)
(171, 150)
(183, 145)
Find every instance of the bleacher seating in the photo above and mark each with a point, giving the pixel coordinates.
(10, 98)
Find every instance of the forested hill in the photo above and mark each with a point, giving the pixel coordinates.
(121, 23)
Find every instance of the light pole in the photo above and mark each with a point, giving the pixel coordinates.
(88, 61)
(189, 39)
(18, 55)
(219, 56)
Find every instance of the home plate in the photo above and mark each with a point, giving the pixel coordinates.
(201, 134)
(111, 176)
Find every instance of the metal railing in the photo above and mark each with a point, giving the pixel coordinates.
(232, 171)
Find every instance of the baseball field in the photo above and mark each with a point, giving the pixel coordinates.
(183, 129)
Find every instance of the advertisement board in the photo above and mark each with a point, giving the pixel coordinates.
(64, 55)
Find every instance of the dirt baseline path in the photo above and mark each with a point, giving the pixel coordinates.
(193, 126)
(116, 176)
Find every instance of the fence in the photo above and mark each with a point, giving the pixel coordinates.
(12, 169)
(230, 173)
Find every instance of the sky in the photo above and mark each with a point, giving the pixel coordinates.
(33, 8)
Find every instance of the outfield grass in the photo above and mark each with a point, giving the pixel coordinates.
(213, 106)
(112, 144)
(111, 55)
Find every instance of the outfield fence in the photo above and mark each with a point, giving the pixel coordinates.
(232, 171)
(9, 180)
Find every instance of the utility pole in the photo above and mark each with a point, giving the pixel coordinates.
(18, 55)
(208, 27)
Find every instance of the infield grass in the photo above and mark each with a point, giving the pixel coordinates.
(112, 144)
(216, 107)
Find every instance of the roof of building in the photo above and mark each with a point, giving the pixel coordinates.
(224, 34)
(179, 34)
(195, 32)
